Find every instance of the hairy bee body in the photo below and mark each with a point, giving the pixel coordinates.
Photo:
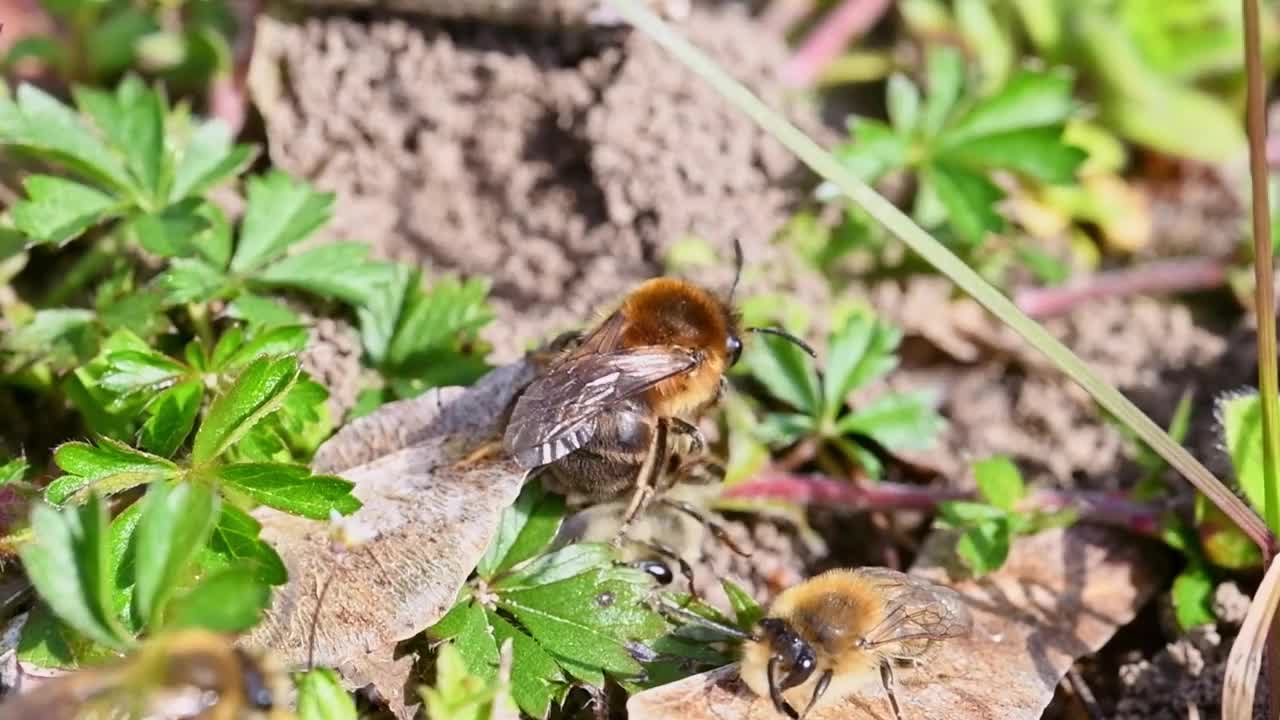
(614, 409)
(824, 639)
(183, 674)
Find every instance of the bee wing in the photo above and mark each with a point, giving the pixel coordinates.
(917, 612)
(556, 414)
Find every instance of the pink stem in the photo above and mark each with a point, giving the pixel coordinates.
(1180, 274)
(832, 35)
(1106, 508)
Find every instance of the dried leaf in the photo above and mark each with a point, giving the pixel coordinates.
(429, 522)
(1061, 595)
(1240, 682)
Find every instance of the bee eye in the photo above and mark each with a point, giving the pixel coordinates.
(734, 347)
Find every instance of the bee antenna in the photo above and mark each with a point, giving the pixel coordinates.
(786, 336)
(737, 268)
(694, 618)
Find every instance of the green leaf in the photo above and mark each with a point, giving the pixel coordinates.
(944, 80)
(130, 371)
(291, 488)
(209, 158)
(261, 312)
(321, 697)
(172, 231)
(133, 121)
(999, 482)
(1241, 419)
(13, 471)
(109, 467)
(785, 370)
(904, 104)
(567, 562)
(526, 528)
(59, 210)
(443, 317)
(56, 326)
(109, 45)
(969, 199)
(172, 416)
(984, 547)
(259, 391)
(280, 211)
(41, 124)
(229, 601)
(266, 343)
(746, 611)
(461, 694)
(466, 626)
(236, 543)
(860, 351)
(338, 270)
(875, 150)
(40, 47)
(533, 672)
(67, 562)
(905, 421)
(589, 618)
(1192, 596)
(175, 525)
(1029, 99)
(124, 554)
(961, 513)
(189, 280)
(381, 310)
(778, 429)
(1038, 153)
(48, 643)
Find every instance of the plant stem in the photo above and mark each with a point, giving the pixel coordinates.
(916, 238)
(1104, 508)
(849, 19)
(1264, 302)
(1163, 276)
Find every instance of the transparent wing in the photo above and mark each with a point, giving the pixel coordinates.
(917, 613)
(556, 414)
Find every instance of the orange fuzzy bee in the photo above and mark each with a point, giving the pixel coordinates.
(614, 410)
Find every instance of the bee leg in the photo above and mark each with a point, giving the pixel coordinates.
(886, 677)
(716, 528)
(485, 451)
(654, 462)
(818, 690)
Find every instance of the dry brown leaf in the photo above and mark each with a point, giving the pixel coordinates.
(1060, 595)
(427, 524)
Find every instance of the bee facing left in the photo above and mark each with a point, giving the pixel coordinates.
(187, 674)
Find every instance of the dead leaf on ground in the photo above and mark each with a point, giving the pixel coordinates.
(1060, 595)
(429, 524)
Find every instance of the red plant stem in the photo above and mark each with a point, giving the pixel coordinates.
(1163, 276)
(832, 35)
(227, 94)
(1104, 508)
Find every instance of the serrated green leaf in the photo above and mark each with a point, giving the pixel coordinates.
(785, 370)
(228, 601)
(337, 270)
(1192, 596)
(236, 543)
(746, 611)
(46, 642)
(58, 210)
(122, 538)
(190, 280)
(209, 158)
(321, 697)
(983, 547)
(944, 80)
(268, 342)
(380, 313)
(442, 317)
(133, 121)
(174, 526)
(130, 371)
(875, 150)
(261, 312)
(228, 343)
(67, 562)
(526, 528)
(39, 123)
(777, 429)
(56, 326)
(13, 471)
(459, 694)
(1241, 419)
(567, 562)
(905, 421)
(465, 624)
(280, 211)
(999, 482)
(904, 104)
(291, 488)
(1038, 153)
(860, 351)
(1029, 99)
(109, 467)
(533, 671)
(962, 513)
(969, 198)
(171, 231)
(172, 416)
(258, 391)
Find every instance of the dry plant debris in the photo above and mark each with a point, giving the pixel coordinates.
(423, 526)
(1061, 595)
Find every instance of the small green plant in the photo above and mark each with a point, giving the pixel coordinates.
(859, 351)
(321, 697)
(988, 528)
(462, 694)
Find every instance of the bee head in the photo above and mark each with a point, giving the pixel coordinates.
(733, 348)
(257, 691)
(791, 661)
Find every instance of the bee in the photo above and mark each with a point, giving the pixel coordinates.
(823, 638)
(190, 674)
(613, 411)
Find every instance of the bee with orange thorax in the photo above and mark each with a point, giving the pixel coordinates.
(613, 411)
